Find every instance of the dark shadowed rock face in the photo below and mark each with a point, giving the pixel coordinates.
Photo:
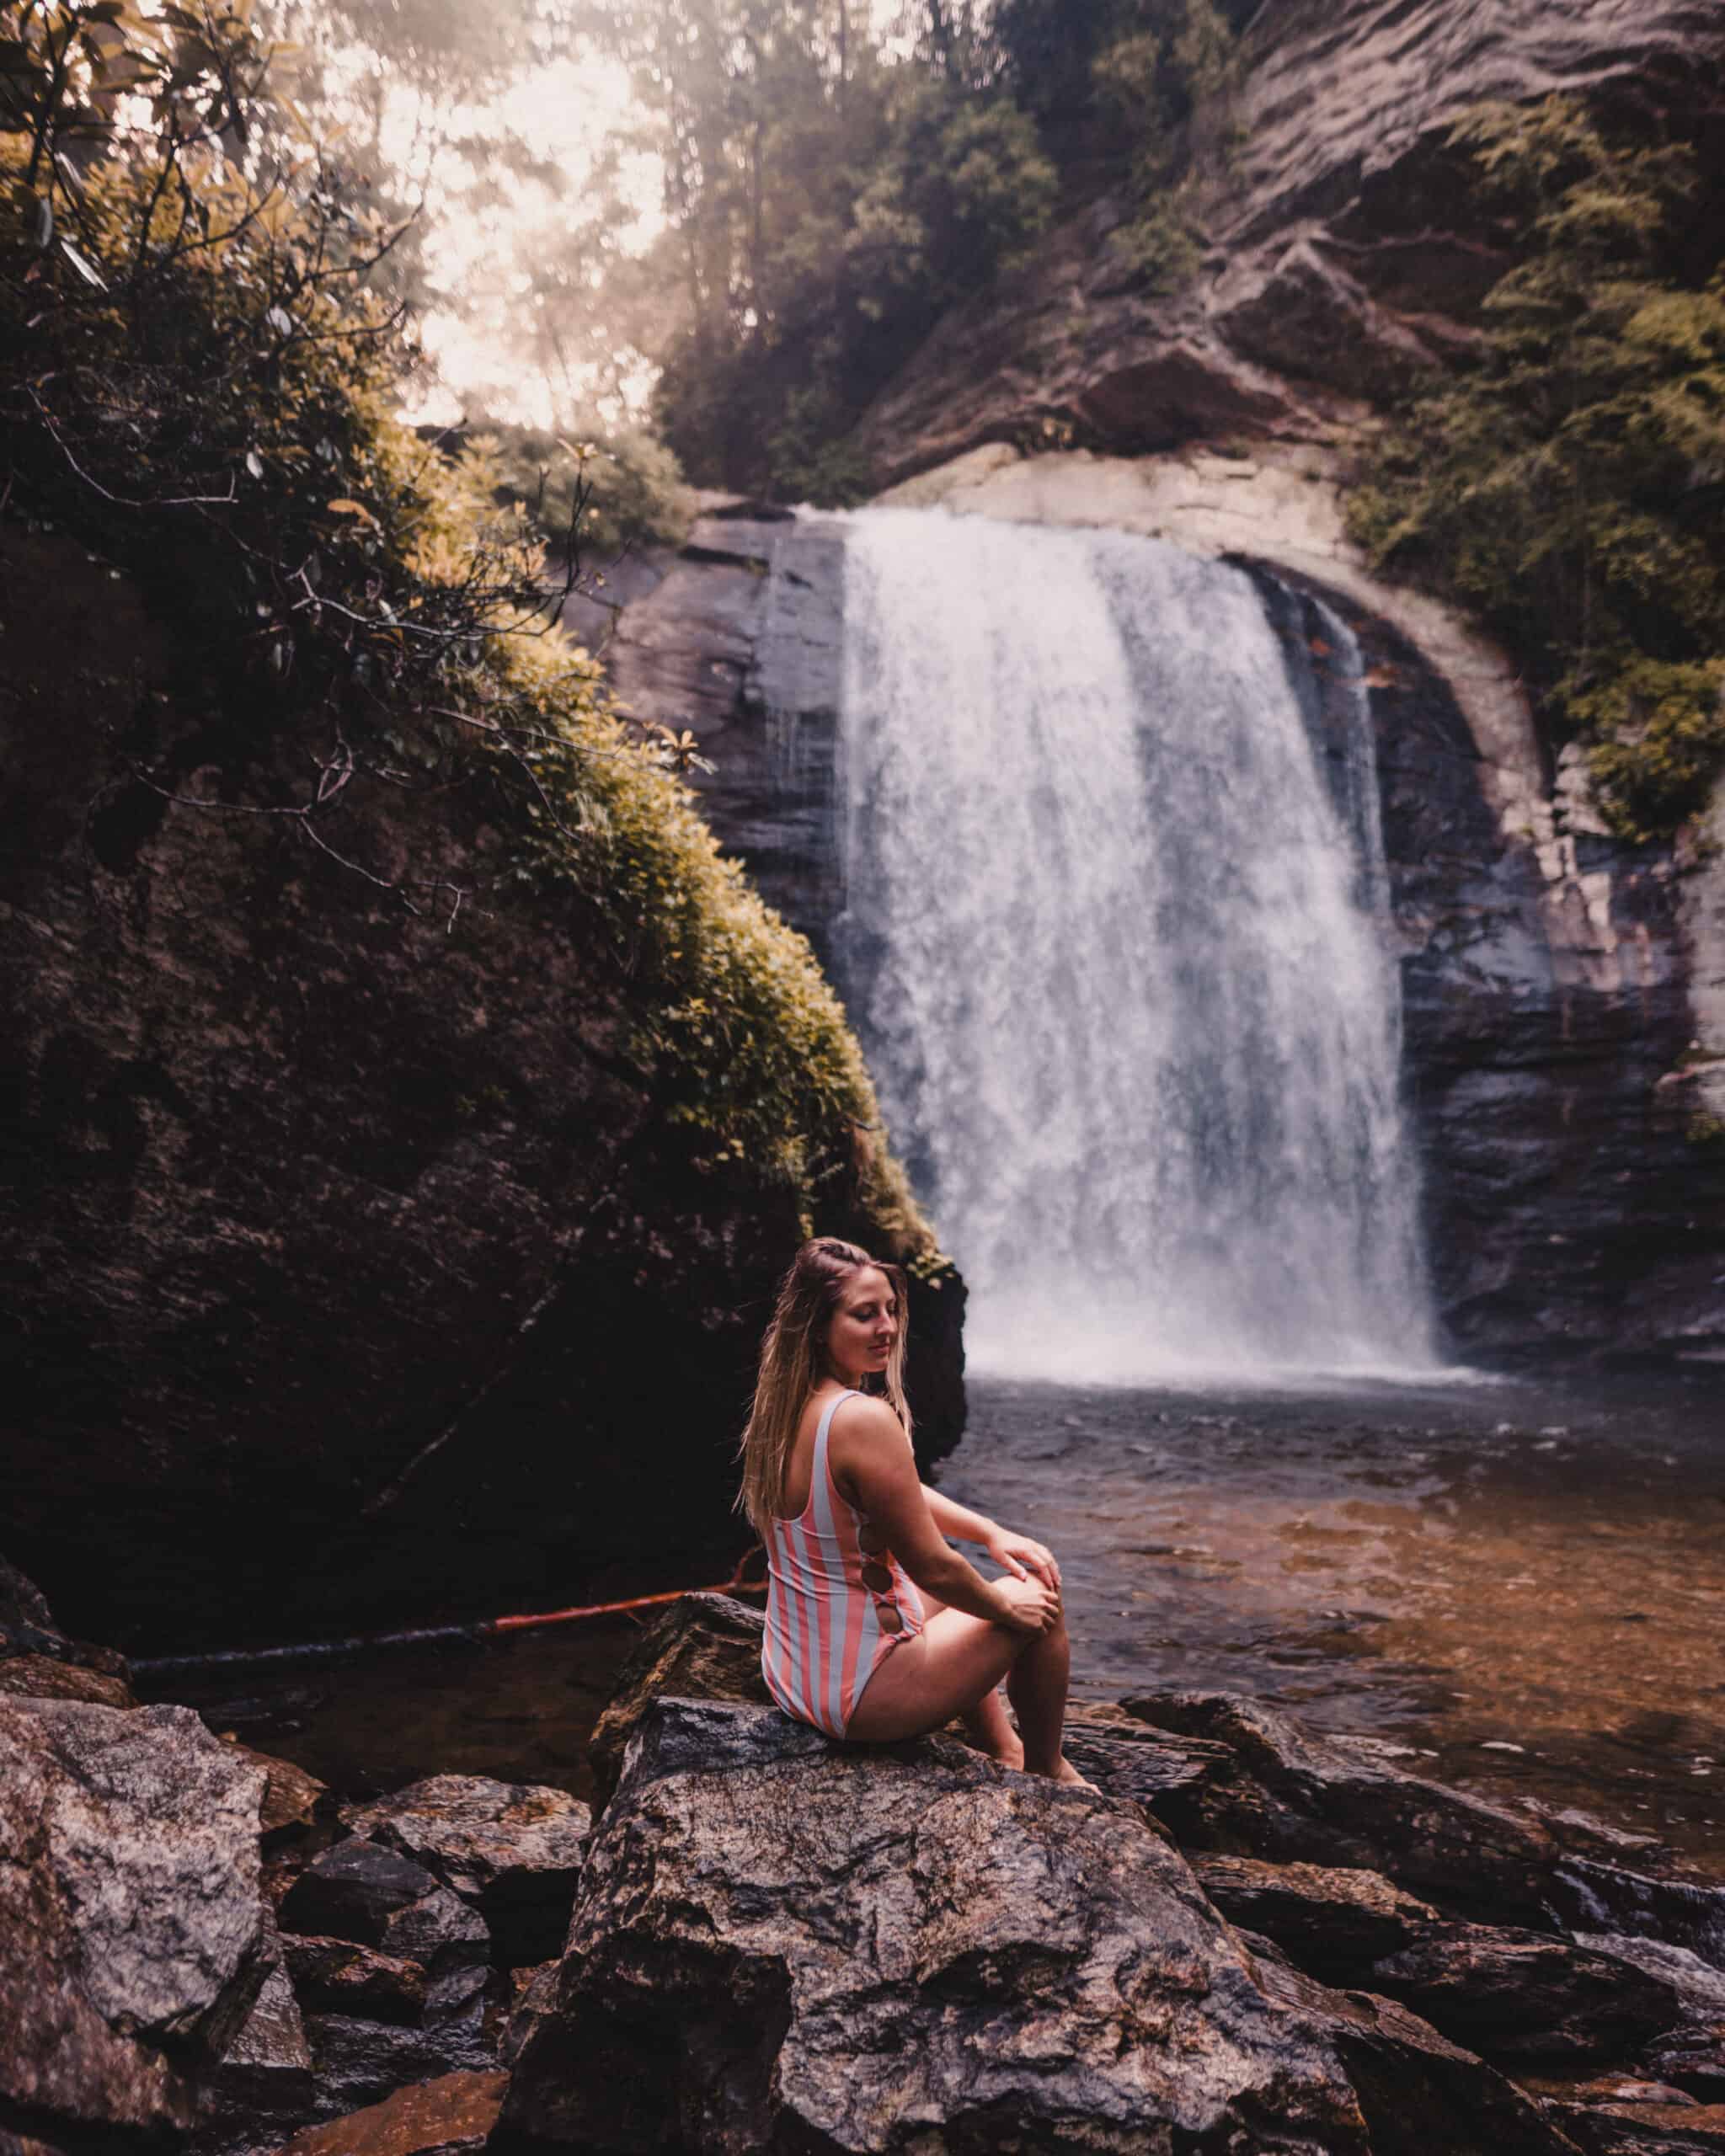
(783, 1944)
(301, 1186)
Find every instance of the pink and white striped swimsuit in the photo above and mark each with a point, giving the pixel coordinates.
(824, 1638)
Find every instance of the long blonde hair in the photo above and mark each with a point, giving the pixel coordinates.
(794, 1360)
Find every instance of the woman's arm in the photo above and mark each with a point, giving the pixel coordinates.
(874, 1468)
(1018, 1553)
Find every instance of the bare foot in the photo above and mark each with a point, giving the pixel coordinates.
(1007, 1751)
(1070, 1774)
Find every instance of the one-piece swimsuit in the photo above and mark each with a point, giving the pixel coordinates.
(828, 1627)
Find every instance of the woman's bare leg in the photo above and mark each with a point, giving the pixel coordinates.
(954, 1666)
(987, 1724)
(1037, 1687)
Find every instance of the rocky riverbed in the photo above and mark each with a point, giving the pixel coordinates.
(1248, 1936)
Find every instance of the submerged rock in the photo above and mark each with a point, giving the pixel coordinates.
(780, 1943)
(445, 2117)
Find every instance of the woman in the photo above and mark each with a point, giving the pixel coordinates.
(876, 1629)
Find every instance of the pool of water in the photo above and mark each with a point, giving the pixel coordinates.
(1523, 1585)
(1520, 1585)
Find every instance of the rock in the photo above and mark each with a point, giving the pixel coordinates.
(28, 1630)
(439, 1930)
(448, 2116)
(1341, 247)
(423, 1143)
(358, 2061)
(779, 1943)
(133, 1939)
(534, 1999)
(40, 1677)
(336, 1976)
(1521, 1996)
(1692, 2053)
(265, 2073)
(1643, 2129)
(293, 1800)
(705, 1646)
(1334, 1924)
(352, 1891)
(1588, 1895)
(1294, 1797)
(1420, 2095)
(1138, 1765)
(515, 1851)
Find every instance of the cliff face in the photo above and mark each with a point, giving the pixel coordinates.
(1339, 248)
(1564, 1035)
(305, 1196)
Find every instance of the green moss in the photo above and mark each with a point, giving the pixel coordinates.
(377, 593)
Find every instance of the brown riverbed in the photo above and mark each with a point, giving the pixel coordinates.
(1522, 1585)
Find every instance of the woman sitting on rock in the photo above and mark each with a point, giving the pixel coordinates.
(876, 1629)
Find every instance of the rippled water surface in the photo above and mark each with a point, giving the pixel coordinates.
(1522, 1586)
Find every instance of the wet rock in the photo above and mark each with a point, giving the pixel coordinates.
(705, 1646)
(1294, 1797)
(336, 1976)
(27, 1629)
(264, 2074)
(1588, 1895)
(133, 1940)
(513, 1850)
(1643, 2129)
(779, 1943)
(1692, 2053)
(1139, 1764)
(39, 1677)
(358, 2061)
(448, 2116)
(439, 1930)
(293, 1800)
(1419, 2093)
(351, 1891)
(1521, 1995)
(1335, 1924)
(534, 1999)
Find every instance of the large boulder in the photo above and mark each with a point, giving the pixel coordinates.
(134, 1940)
(704, 1646)
(364, 1236)
(783, 1944)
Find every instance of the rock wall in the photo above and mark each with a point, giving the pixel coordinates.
(304, 1196)
(1562, 993)
(1339, 248)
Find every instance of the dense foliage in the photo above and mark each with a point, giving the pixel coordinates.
(197, 381)
(1567, 484)
(829, 194)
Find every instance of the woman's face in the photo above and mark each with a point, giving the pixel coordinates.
(865, 1324)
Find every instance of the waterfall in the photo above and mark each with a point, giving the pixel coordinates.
(1112, 956)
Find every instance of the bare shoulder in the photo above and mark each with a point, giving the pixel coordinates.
(866, 1429)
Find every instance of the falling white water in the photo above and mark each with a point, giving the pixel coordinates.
(1112, 953)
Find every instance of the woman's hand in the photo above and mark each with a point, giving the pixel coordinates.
(1019, 1556)
(1031, 1606)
